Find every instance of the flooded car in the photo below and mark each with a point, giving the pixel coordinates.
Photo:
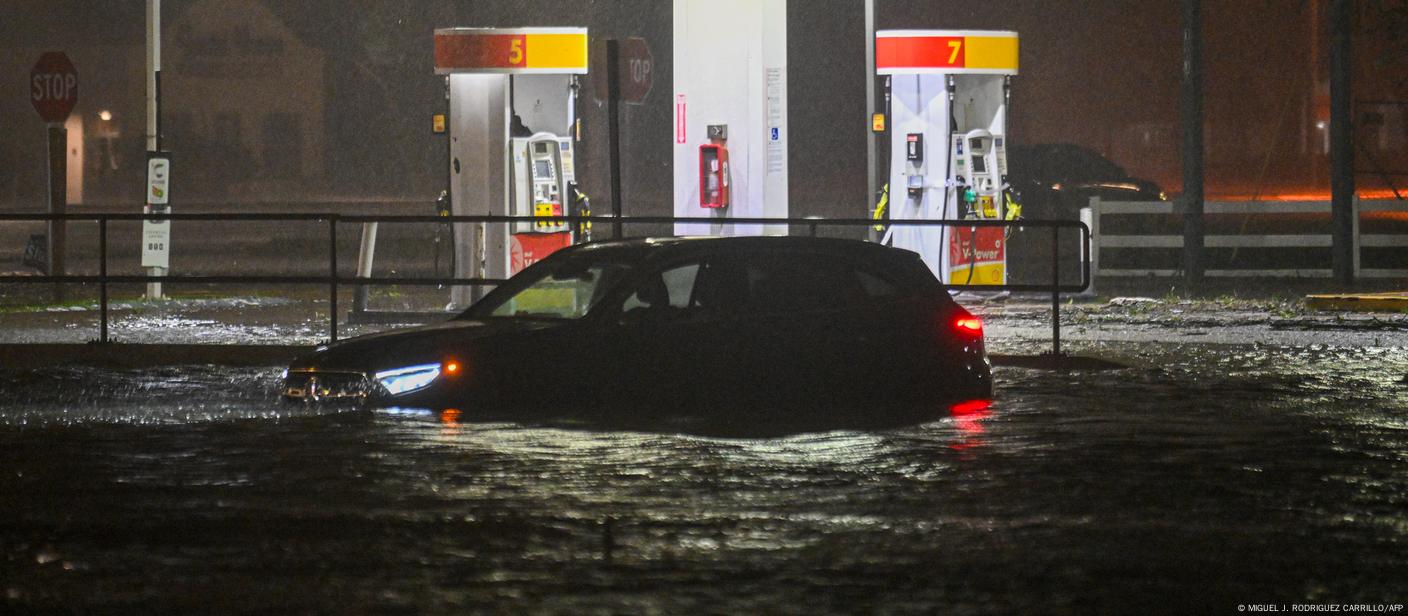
(1056, 180)
(676, 325)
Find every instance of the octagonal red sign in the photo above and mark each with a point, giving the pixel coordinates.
(53, 87)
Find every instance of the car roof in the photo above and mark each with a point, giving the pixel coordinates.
(653, 248)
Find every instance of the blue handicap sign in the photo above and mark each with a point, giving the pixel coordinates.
(774, 134)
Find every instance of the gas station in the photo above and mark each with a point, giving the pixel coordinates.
(949, 92)
(513, 134)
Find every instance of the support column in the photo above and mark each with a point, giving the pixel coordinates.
(1192, 143)
(1341, 143)
(58, 204)
(870, 135)
(154, 116)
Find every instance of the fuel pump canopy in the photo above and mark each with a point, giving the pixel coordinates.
(512, 114)
(949, 97)
(945, 52)
(520, 51)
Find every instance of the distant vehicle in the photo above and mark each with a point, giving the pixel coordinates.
(662, 326)
(1056, 180)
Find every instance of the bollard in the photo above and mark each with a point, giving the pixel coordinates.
(365, 255)
(332, 280)
(1056, 295)
(103, 274)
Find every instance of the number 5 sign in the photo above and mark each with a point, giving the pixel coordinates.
(511, 50)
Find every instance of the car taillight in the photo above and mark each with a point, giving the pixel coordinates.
(970, 407)
(968, 324)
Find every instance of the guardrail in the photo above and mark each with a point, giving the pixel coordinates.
(1103, 240)
(335, 280)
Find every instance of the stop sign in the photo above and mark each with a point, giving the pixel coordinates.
(53, 87)
(636, 72)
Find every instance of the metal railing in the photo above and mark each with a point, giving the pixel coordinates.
(334, 280)
(1103, 240)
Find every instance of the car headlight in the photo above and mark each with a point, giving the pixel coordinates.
(403, 380)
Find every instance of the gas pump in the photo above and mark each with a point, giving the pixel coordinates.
(543, 170)
(981, 166)
(501, 82)
(949, 95)
(980, 174)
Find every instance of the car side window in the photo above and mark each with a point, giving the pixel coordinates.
(663, 294)
(763, 284)
(805, 282)
(875, 286)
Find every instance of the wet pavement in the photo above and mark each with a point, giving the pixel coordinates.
(1265, 462)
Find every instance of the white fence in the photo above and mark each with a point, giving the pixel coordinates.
(1091, 216)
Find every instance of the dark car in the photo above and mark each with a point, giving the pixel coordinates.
(1056, 180)
(664, 326)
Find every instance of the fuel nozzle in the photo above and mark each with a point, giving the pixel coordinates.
(442, 203)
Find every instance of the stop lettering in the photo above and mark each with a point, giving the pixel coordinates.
(53, 87)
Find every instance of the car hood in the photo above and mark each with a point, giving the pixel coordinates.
(418, 345)
(1125, 185)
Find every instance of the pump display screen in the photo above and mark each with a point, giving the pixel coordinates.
(980, 165)
(542, 169)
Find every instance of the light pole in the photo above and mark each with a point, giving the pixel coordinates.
(153, 119)
(1192, 111)
(1341, 143)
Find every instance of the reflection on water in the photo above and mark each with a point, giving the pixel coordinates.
(1208, 477)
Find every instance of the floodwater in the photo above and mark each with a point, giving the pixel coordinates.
(1209, 476)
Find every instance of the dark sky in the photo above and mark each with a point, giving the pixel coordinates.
(1101, 73)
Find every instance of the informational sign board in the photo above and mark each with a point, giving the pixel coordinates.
(156, 243)
(529, 248)
(53, 87)
(158, 178)
(156, 234)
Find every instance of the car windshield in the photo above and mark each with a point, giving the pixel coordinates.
(567, 289)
